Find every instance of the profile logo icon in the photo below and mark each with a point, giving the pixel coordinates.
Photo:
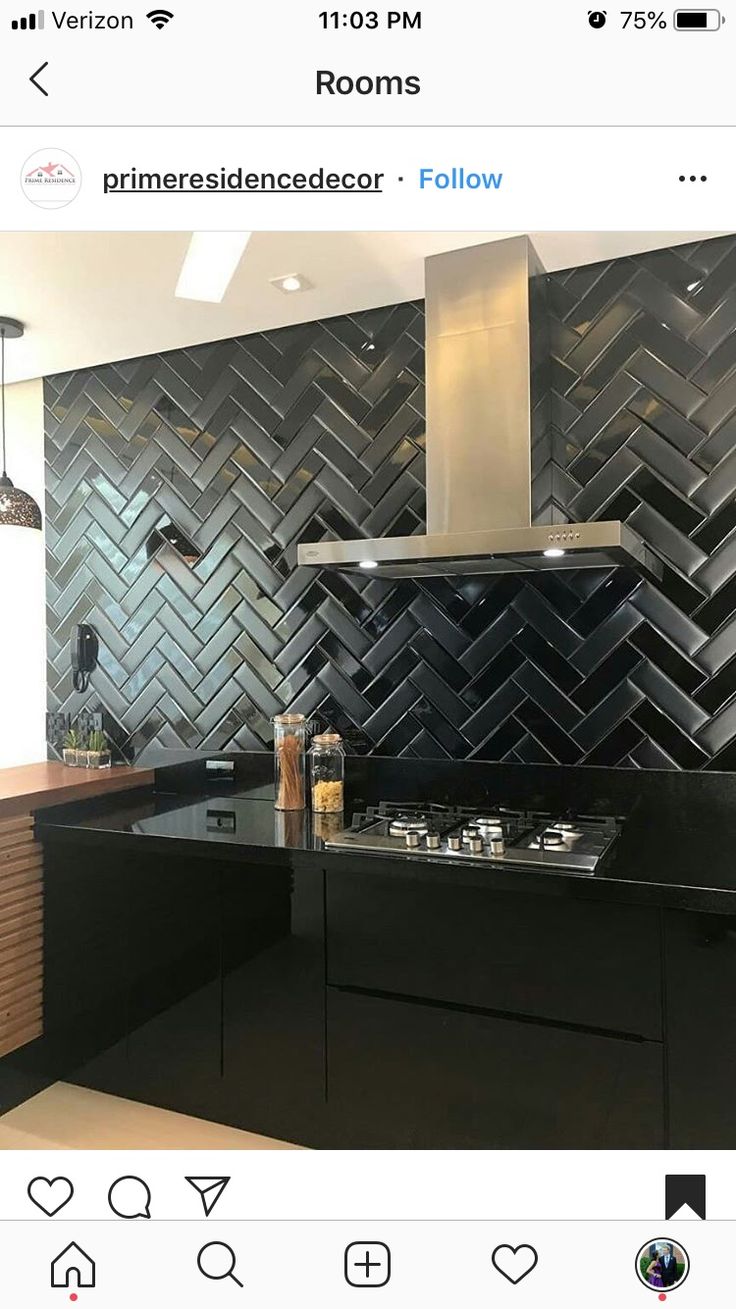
(662, 1266)
(51, 179)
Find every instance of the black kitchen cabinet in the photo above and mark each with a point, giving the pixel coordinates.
(174, 989)
(132, 992)
(550, 956)
(273, 1002)
(86, 962)
(415, 1076)
(701, 1035)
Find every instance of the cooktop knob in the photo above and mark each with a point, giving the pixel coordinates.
(433, 841)
(454, 843)
(497, 845)
(475, 845)
(412, 840)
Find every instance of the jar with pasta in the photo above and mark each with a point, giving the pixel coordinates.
(327, 773)
(289, 746)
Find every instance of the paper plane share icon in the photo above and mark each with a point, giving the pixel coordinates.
(210, 1189)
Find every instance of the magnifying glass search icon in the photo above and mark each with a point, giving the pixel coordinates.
(216, 1260)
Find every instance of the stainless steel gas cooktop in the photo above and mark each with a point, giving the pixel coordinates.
(496, 834)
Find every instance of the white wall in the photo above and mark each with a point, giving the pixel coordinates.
(22, 591)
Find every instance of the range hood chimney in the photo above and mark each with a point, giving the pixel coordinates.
(487, 404)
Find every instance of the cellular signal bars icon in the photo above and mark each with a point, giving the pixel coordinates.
(32, 23)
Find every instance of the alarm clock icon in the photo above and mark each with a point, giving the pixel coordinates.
(597, 17)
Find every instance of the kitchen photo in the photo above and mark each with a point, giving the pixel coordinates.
(368, 691)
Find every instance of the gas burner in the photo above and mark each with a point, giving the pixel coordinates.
(403, 823)
(551, 836)
(494, 836)
(471, 833)
(490, 824)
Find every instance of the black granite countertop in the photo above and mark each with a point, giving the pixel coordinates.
(676, 847)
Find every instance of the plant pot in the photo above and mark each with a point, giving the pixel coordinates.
(74, 758)
(98, 758)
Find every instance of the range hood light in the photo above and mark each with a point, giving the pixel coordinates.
(553, 554)
(368, 563)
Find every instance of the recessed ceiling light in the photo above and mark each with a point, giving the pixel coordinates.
(291, 282)
(554, 553)
(368, 563)
(209, 265)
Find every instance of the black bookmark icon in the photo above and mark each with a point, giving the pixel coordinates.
(684, 1191)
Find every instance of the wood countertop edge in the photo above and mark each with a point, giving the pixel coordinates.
(32, 787)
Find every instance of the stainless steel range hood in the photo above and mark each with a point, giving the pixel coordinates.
(488, 361)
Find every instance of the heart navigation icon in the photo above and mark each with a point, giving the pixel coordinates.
(514, 1262)
(50, 1194)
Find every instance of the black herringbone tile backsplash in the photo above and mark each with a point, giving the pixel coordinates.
(255, 444)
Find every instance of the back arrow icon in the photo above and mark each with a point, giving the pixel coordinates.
(33, 77)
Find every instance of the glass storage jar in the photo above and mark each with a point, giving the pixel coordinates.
(289, 747)
(327, 773)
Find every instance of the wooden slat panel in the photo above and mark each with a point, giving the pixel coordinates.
(24, 863)
(18, 826)
(26, 995)
(26, 899)
(24, 971)
(25, 924)
(13, 849)
(22, 877)
(28, 1031)
(21, 933)
(25, 1013)
(20, 858)
(20, 956)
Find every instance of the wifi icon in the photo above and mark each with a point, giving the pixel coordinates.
(160, 17)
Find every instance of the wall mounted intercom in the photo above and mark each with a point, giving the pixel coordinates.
(85, 648)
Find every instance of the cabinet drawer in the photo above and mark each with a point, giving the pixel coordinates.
(411, 1076)
(549, 956)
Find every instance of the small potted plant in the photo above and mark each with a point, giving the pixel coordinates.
(73, 754)
(98, 751)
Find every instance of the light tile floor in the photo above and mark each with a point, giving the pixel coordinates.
(73, 1118)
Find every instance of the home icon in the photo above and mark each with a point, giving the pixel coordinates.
(73, 1267)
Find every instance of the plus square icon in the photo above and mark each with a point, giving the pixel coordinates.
(367, 1263)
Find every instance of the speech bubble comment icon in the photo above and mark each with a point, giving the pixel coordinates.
(130, 1197)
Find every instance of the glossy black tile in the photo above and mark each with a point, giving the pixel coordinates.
(258, 443)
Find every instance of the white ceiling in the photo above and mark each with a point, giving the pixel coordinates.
(89, 298)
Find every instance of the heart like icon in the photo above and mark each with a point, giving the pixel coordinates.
(514, 1262)
(50, 1194)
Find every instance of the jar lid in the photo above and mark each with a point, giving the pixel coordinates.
(288, 720)
(327, 738)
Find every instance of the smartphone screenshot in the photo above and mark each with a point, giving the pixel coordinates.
(367, 654)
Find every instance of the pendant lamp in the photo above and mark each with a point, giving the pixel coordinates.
(17, 508)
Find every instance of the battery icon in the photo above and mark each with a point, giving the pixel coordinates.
(697, 20)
